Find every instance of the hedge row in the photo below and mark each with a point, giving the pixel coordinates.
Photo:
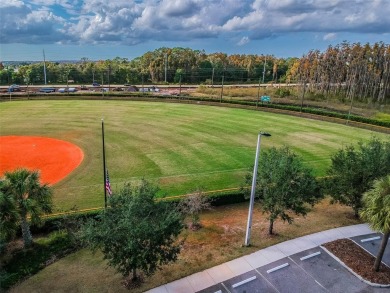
(56, 222)
(316, 111)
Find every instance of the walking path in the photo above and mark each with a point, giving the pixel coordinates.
(210, 280)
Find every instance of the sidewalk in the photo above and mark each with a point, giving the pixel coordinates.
(236, 267)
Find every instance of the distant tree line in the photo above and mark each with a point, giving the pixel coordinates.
(345, 71)
(171, 65)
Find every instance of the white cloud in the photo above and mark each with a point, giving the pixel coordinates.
(329, 37)
(11, 3)
(243, 41)
(134, 21)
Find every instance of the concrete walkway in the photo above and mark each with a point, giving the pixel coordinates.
(236, 267)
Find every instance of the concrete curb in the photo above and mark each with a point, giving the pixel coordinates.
(355, 274)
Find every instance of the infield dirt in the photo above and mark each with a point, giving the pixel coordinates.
(54, 158)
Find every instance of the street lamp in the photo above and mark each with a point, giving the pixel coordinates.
(253, 189)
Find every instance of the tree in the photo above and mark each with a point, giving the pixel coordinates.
(30, 197)
(353, 170)
(9, 217)
(284, 185)
(376, 211)
(136, 232)
(193, 205)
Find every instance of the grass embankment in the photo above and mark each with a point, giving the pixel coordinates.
(181, 147)
(292, 95)
(219, 241)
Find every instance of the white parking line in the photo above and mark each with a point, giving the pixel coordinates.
(370, 239)
(278, 267)
(310, 255)
(244, 282)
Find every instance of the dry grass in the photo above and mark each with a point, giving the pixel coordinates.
(251, 93)
(220, 240)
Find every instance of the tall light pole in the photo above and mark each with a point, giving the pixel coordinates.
(253, 189)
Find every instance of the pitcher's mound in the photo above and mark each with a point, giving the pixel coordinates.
(54, 158)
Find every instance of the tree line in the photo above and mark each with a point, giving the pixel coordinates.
(345, 71)
(171, 65)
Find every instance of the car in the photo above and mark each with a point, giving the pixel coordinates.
(47, 90)
(14, 88)
(95, 84)
(67, 90)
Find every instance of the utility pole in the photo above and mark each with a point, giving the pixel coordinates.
(222, 89)
(44, 66)
(212, 78)
(109, 72)
(180, 86)
(104, 167)
(258, 94)
(265, 62)
(166, 66)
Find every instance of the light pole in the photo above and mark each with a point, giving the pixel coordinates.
(253, 189)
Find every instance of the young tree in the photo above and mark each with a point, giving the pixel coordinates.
(376, 211)
(284, 185)
(135, 232)
(30, 197)
(193, 205)
(354, 169)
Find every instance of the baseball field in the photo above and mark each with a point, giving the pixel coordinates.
(181, 147)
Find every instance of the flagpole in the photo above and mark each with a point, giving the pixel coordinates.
(104, 167)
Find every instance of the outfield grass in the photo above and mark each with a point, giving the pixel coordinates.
(179, 146)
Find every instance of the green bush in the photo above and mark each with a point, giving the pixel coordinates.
(282, 92)
(26, 262)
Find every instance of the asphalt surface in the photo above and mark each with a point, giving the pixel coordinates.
(298, 265)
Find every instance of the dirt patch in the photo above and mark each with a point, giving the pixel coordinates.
(359, 260)
(54, 158)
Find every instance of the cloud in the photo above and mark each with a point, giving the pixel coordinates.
(329, 37)
(21, 24)
(134, 21)
(243, 41)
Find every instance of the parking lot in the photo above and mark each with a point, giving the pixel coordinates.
(312, 270)
(296, 265)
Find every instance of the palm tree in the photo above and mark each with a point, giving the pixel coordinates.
(376, 212)
(31, 198)
(9, 216)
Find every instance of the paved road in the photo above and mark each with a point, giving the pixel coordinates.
(298, 265)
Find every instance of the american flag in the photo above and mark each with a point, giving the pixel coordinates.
(108, 185)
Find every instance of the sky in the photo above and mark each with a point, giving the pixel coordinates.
(102, 29)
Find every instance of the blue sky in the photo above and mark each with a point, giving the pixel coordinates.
(97, 29)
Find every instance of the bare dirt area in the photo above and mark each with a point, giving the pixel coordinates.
(54, 158)
(359, 260)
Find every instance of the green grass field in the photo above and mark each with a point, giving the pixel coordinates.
(180, 147)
